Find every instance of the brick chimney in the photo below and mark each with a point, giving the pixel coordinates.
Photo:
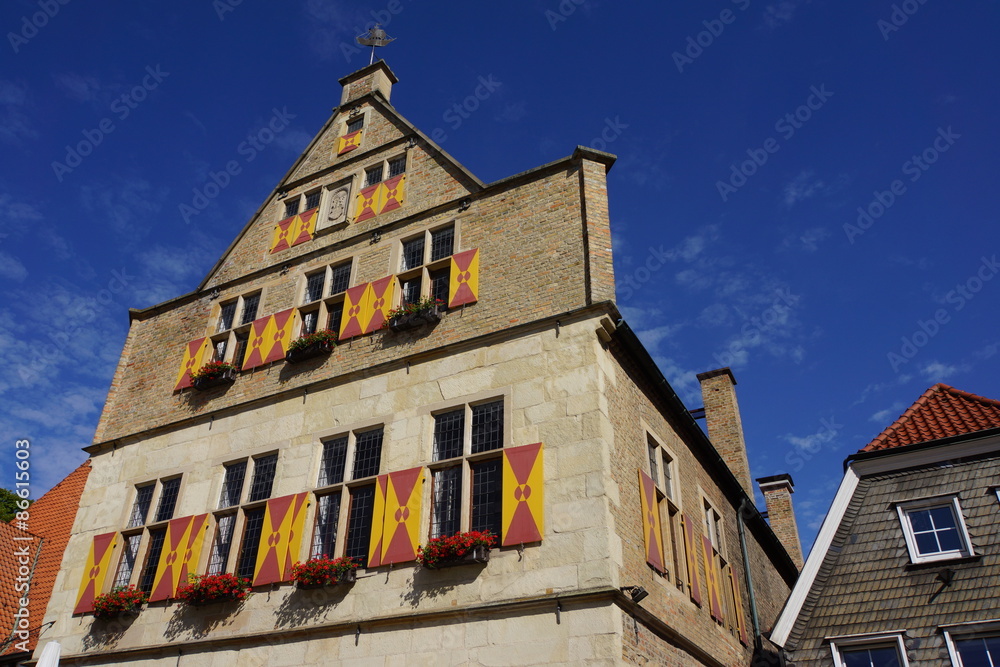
(725, 428)
(374, 77)
(778, 491)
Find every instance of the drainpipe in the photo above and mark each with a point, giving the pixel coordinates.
(754, 619)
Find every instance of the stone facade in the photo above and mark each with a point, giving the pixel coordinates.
(531, 341)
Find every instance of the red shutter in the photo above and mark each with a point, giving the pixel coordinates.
(690, 551)
(522, 507)
(652, 533)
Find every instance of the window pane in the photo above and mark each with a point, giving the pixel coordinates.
(263, 477)
(232, 485)
(309, 322)
(486, 489)
(355, 125)
(312, 200)
(367, 453)
(168, 498)
(449, 430)
(291, 207)
(411, 290)
(872, 657)
(336, 311)
(373, 176)
(979, 652)
(651, 448)
(325, 536)
(440, 282)
(240, 350)
(948, 540)
(314, 287)
(251, 540)
(341, 278)
(152, 559)
(127, 563)
(397, 166)
(226, 316)
(331, 468)
(250, 304)
(222, 544)
(442, 243)
(219, 353)
(487, 427)
(140, 508)
(359, 524)
(668, 477)
(446, 504)
(413, 253)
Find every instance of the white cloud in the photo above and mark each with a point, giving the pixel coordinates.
(12, 268)
(781, 13)
(884, 417)
(802, 187)
(512, 112)
(78, 87)
(15, 125)
(935, 371)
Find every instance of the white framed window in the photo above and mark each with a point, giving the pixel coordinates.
(934, 529)
(883, 650)
(974, 644)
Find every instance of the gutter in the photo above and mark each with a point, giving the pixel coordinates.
(920, 446)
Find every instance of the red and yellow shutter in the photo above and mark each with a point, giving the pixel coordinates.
(194, 354)
(690, 551)
(282, 237)
(712, 577)
(522, 507)
(280, 335)
(94, 573)
(652, 532)
(179, 555)
(304, 227)
(738, 602)
(349, 142)
(380, 299)
(258, 343)
(378, 521)
(280, 538)
(357, 307)
(393, 193)
(464, 283)
(369, 202)
(401, 526)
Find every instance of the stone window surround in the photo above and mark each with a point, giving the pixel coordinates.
(842, 643)
(427, 267)
(972, 630)
(143, 529)
(237, 331)
(947, 499)
(301, 198)
(384, 164)
(669, 506)
(327, 302)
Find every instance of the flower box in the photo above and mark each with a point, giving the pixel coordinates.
(407, 321)
(323, 571)
(205, 382)
(458, 549)
(345, 578)
(477, 554)
(297, 354)
(123, 601)
(211, 588)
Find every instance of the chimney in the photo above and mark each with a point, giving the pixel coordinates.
(778, 492)
(725, 428)
(376, 77)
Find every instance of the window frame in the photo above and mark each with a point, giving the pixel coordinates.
(963, 631)
(239, 331)
(428, 269)
(383, 164)
(301, 200)
(327, 304)
(949, 500)
(838, 645)
(668, 503)
(151, 524)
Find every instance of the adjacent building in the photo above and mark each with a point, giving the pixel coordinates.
(482, 380)
(906, 567)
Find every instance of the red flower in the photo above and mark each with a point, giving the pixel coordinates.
(453, 546)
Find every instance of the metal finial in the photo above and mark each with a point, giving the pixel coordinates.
(373, 38)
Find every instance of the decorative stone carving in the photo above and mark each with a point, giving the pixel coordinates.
(336, 213)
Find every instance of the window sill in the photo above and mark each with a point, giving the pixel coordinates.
(934, 564)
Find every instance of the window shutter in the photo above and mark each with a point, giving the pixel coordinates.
(194, 353)
(401, 526)
(381, 302)
(304, 227)
(652, 532)
(352, 321)
(378, 521)
(522, 507)
(280, 538)
(94, 572)
(738, 600)
(280, 336)
(282, 237)
(349, 142)
(393, 194)
(712, 576)
(369, 202)
(692, 560)
(179, 556)
(257, 343)
(464, 287)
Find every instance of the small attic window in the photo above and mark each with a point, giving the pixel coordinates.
(312, 200)
(356, 124)
(397, 166)
(373, 176)
(291, 207)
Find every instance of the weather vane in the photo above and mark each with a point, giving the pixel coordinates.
(374, 37)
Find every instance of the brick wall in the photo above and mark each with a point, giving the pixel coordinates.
(725, 426)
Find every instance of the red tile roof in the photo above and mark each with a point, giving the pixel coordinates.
(51, 519)
(941, 412)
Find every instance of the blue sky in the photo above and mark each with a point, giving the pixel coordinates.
(803, 190)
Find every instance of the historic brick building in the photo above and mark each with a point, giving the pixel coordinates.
(522, 405)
